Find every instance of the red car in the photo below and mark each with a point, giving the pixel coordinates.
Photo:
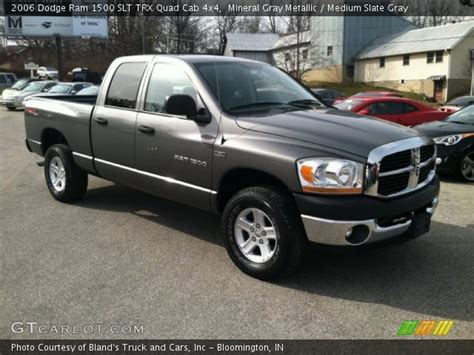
(394, 109)
(365, 94)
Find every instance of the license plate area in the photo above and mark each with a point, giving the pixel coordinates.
(420, 224)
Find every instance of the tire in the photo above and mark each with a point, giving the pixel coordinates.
(11, 108)
(462, 167)
(281, 251)
(65, 180)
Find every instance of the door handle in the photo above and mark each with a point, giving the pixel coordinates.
(146, 129)
(101, 121)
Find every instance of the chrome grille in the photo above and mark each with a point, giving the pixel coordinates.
(400, 167)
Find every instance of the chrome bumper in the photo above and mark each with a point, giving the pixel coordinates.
(352, 233)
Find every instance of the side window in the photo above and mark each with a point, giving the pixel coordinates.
(123, 89)
(167, 80)
(385, 108)
(407, 108)
(11, 78)
(2, 79)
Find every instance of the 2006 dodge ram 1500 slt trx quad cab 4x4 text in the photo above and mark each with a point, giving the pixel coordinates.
(243, 139)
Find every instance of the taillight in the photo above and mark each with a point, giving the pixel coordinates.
(32, 110)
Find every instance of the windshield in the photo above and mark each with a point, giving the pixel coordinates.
(35, 86)
(91, 90)
(20, 84)
(465, 116)
(60, 89)
(348, 105)
(242, 87)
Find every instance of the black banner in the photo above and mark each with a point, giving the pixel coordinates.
(238, 7)
(123, 346)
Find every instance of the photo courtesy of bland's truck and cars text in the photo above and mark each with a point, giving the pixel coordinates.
(285, 176)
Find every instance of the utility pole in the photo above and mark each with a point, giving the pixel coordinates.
(472, 72)
(59, 55)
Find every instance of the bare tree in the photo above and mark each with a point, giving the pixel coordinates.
(226, 22)
(298, 23)
(434, 12)
(250, 24)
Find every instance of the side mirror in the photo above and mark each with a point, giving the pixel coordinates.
(73, 92)
(184, 105)
(364, 112)
(44, 90)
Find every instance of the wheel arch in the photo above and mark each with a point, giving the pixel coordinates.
(237, 179)
(51, 136)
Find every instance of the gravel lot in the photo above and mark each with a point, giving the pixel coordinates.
(124, 257)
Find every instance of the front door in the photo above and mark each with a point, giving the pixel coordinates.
(175, 151)
(438, 90)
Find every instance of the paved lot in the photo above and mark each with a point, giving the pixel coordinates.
(124, 257)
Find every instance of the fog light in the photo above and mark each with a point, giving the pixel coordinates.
(357, 234)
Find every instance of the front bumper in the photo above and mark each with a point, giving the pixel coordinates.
(10, 102)
(361, 219)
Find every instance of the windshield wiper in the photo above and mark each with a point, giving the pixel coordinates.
(305, 103)
(258, 104)
(460, 122)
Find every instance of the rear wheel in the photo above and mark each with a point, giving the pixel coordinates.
(11, 108)
(65, 180)
(263, 233)
(466, 166)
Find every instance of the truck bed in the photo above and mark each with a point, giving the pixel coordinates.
(69, 115)
(83, 99)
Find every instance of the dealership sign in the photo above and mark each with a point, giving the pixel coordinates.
(66, 26)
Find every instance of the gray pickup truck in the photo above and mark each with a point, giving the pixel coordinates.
(245, 140)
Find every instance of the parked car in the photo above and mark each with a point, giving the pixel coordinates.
(67, 88)
(60, 89)
(366, 94)
(279, 166)
(454, 138)
(47, 73)
(84, 74)
(394, 109)
(329, 96)
(19, 85)
(458, 103)
(16, 99)
(7, 80)
(92, 90)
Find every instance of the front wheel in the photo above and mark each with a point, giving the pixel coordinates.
(263, 233)
(11, 108)
(466, 166)
(65, 180)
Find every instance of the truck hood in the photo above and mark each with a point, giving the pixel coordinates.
(342, 130)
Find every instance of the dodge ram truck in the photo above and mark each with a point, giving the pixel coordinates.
(245, 140)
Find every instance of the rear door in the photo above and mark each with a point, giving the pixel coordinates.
(114, 120)
(173, 152)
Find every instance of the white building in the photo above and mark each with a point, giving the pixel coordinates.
(433, 60)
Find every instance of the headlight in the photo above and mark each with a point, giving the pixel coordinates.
(331, 176)
(453, 139)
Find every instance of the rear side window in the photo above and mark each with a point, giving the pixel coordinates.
(124, 86)
(385, 108)
(2, 79)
